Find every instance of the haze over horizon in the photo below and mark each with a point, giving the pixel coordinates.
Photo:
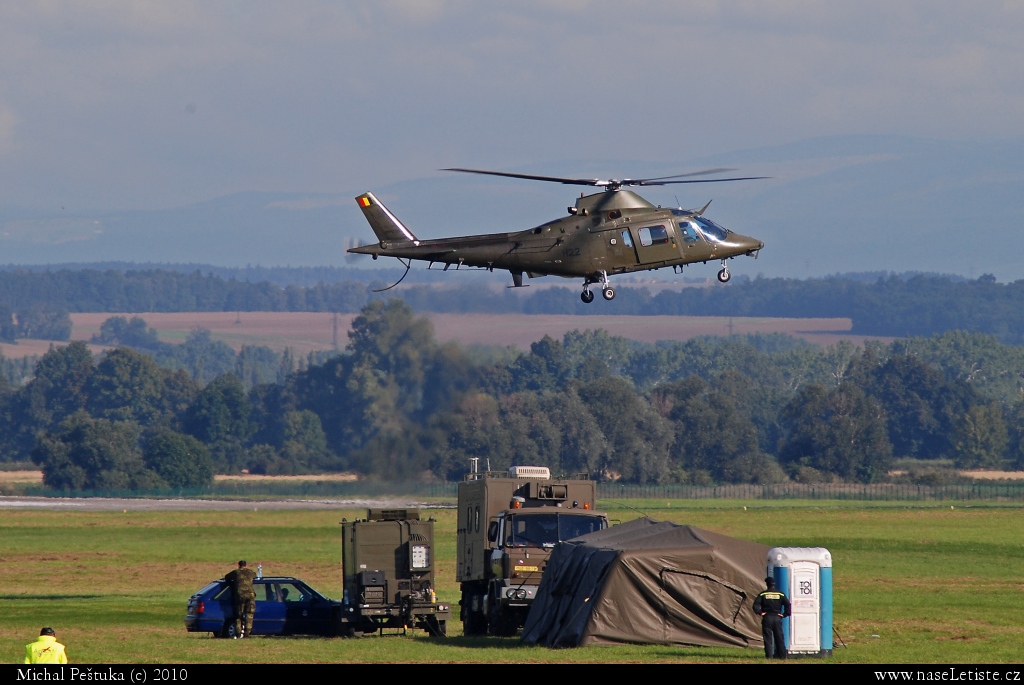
(230, 133)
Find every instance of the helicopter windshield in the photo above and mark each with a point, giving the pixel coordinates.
(710, 229)
(545, 530)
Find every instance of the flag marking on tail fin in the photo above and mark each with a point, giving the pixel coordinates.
(385, 224)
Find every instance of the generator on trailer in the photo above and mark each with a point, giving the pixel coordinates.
(388, 564)
(508, 523)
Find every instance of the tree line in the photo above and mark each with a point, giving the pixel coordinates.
(36, 303)
(398, 405)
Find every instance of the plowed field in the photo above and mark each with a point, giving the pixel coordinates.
(306, 332)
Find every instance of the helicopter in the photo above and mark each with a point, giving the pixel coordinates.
(611, 232)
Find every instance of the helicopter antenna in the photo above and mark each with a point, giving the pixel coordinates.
(408, 265)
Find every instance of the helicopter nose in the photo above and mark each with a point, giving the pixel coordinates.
(745, 244)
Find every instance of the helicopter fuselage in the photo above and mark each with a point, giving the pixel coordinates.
(607, 233)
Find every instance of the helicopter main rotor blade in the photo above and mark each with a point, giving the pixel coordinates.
(703, 172)
(652, 182)
(531, 177)
(612, 183)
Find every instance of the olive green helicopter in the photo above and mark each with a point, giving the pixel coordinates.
(607, 233)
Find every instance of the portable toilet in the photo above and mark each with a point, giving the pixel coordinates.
(805, 575)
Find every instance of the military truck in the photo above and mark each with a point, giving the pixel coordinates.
(508, 523)
(388, 561)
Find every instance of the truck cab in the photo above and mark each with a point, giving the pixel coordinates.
(508, 525)
(524, 539)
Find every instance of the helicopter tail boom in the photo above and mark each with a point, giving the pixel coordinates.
(385, 225)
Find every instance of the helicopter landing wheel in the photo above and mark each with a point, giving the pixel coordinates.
(587, 296)
(724, 275)
(608, 293)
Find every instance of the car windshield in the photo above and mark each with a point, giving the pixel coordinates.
(545, 530)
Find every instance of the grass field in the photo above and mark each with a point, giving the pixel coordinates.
(925, 585)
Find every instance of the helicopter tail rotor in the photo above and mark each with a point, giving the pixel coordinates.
(350, 244)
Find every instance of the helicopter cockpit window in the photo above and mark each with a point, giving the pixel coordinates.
(688, 232)
(653, 235)
(626, 240)
(711, 230)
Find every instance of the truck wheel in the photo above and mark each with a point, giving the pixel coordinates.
(501, 623)
(473, 622)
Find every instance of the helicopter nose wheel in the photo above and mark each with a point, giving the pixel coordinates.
(587, 296)
(608, 293)
(724, 275)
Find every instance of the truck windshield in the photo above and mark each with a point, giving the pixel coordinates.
(544, 530)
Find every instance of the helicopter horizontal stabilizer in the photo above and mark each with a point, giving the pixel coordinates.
(385, 225)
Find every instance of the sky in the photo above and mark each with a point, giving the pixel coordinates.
(142, 105)
(131, 105)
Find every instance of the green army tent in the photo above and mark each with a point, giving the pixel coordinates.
(649, 582)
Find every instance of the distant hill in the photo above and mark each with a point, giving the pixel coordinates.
(836, 204)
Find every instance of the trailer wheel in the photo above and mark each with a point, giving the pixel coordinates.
(435, 627)
(350, 630)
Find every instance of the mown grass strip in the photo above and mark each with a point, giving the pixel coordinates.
(924, 584)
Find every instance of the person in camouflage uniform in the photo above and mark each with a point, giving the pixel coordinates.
(244, 595)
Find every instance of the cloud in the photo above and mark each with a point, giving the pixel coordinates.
(136, 104)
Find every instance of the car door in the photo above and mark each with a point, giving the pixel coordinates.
(306, 611)
(269, 618)
(220, 608)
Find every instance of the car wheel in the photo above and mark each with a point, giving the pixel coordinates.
(229, 630)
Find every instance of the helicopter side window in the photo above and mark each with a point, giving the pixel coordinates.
(653, 235)
(688, 231)
(626, 240)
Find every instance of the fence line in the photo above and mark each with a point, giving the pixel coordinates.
(1002, 491)
(889, 492)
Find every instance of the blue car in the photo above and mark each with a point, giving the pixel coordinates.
(284, 606)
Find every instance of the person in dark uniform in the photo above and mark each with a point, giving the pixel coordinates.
(772, 606)
(244, 594)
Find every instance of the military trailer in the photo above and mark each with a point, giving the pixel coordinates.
(508, 523)
(388, 564)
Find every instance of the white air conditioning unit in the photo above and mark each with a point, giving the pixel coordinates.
(541, 472)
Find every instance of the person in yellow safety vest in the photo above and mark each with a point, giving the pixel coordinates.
(45, 650)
